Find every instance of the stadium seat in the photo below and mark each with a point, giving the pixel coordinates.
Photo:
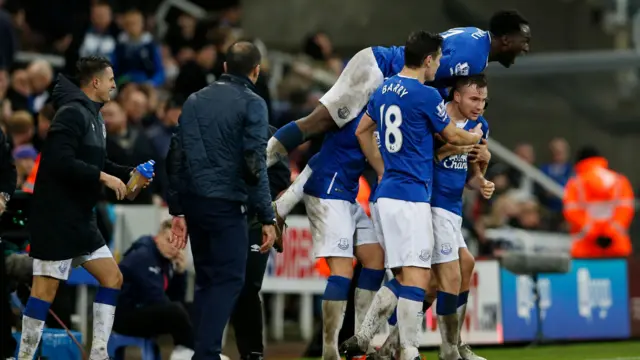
(56, 344)
(148, 347)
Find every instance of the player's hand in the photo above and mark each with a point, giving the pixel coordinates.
(480, 152)
(487, 189)
(477, 130)
(114, 184)
(178, 232)
(268, 237)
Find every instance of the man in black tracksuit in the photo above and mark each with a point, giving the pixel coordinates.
(247, 315)
(216, 164)
(64, 233)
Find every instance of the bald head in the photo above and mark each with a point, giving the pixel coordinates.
(40, 75)
(243, 58)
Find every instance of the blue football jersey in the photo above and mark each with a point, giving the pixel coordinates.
(450, 175)
(338, 165)
(408, 113)
(465, 51)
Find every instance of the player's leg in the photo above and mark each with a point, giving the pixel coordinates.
(341, 104)
(46, 278)
(386, 299)
(104, 268)
(332, 229)
(293, 195)
(414, 229)
(446, 269)
(467, 264)
(370, 254)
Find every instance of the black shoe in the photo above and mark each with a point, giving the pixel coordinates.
(351, 348)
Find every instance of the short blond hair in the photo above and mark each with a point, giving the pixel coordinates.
(21, 122)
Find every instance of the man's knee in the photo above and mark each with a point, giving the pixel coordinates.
(448, 275)
(467, 263)
(44, 288)
(371, 256)
(113, 280)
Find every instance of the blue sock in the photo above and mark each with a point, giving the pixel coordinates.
(107, 296)
(290, 136)
(394, 286)
(370, 279)
(412, 293)
(37, 309)
(447, 304)
(393, 319)
(337, 288)
(463, 298)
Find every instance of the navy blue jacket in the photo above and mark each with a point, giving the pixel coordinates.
(219, 150)
(146, 273)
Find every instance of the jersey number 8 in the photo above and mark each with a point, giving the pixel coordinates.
(392, 119)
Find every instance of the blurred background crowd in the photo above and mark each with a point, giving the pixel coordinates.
(162, 55)
(155, 74)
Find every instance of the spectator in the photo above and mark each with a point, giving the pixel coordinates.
(559, 169)
(197, 73)
(40, 78)
(96, 38)
(137, 57)
(153, 290)
(528, 216)
(128, 145)
(24, 157)
(160, 134)
(523, 185)
(136, 106)
(183, 37)
(19, 90)
(20, 128)
(318, 47)
(44, 122)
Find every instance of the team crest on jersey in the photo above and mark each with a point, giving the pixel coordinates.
(63, 267)
(343, 244)
(343, 112)
(446, 249)
(442, 111)
(461, 69)
(425, 255)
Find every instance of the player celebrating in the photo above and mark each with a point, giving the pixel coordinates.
(452, 262)
(407, 113)
(466, 51)
(339, 226)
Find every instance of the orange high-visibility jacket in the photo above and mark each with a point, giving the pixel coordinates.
(598, 202)
(364, 192)
(30, 182)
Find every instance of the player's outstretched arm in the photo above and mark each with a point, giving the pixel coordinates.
(368, 144)
(455, 136)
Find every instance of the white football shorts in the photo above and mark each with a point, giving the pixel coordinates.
(337, 226)
(407, 230)
(351, 92)
(60, 269)
(447, 234)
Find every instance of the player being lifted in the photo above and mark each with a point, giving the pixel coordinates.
(452, 262)
(340, 227)
(465, 51)
(408, 114)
